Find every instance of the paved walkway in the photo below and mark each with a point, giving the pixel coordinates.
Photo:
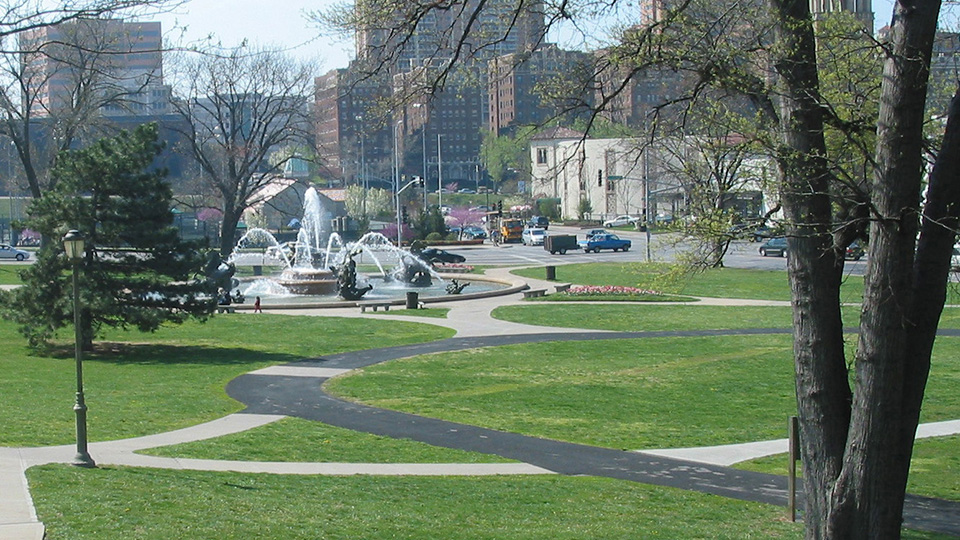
(290, 390)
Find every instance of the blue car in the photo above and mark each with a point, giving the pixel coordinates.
(605, 241)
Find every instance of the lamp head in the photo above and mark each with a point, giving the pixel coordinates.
(73, 244)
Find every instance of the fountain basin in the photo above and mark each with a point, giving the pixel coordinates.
(495, 287)
(307, 281)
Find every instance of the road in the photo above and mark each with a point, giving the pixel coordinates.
(663, 247)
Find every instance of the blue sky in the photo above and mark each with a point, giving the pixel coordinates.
(283, 23)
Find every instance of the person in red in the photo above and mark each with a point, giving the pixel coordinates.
(256, 306)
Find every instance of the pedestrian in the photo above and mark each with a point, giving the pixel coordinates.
(256, 306)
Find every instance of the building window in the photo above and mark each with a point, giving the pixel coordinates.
(541, 156)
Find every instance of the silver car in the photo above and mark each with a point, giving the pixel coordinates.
(9, 252)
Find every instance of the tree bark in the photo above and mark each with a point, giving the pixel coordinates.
(856, 447)
(823, 395)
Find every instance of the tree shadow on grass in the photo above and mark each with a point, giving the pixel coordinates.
(165, 354)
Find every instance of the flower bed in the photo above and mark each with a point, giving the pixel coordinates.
(611, 293)
(609, 290)
(454, 268)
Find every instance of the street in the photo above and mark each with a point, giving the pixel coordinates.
(742, 253)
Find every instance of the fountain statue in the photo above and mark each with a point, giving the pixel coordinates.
(455, 287)
(413, 270)
(347, 280)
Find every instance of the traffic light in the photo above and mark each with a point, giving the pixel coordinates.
(404, 216)
(499, 208)
(600, 178)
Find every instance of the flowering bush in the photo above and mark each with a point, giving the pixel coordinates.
(608, 290)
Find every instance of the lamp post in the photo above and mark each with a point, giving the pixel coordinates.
(363, 166)
(439, 173)
(73, 244)
(396, 175)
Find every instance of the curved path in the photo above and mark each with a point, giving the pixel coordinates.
(295, 390)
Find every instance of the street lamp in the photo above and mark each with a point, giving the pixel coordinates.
(363, 166)
(73, 247)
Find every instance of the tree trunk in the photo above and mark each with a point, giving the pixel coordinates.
(228, 232)
(823, 395)
(870, 490)
(856, 453)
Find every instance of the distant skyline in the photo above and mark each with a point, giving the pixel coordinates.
(283, 23)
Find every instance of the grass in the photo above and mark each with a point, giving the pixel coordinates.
(629, 394)
(297, 440)
(10, 274)
(712, 283)
(157, 504)
(719, 282)
(138, 384)
(435, 313)
(648, 317)
(934, 469)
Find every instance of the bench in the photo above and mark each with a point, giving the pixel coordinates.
(225, 309)
(563, 287)
(373, 305)
(534, 293)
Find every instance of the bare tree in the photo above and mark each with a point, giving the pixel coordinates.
(78, 60)
(239, 109)
(857, 437)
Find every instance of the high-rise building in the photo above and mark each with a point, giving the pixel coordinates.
(120, 63)
(439, 34)
(513, 80)
(653, 11)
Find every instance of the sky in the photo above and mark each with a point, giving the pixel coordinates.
(284, 23)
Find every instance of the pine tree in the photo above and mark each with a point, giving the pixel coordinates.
(136, 272)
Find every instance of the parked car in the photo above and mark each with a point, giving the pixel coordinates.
(10, 252)
(474, 233)
(605, 241)
(434, 255)
(467, 191)
(593, 232)
(774, 246)
(533, 237)
(854, 252)
(539, 222)
(620, 221)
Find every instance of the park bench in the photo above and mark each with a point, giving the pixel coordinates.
(534, 293)
(563, 287)
(225, 309)
(373, 305)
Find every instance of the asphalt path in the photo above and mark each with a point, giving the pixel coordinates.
(304, 397)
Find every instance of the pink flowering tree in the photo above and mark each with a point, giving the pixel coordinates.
(463, 217)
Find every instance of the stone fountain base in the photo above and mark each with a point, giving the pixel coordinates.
(308, 281)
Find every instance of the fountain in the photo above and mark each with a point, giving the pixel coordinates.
(308, 268)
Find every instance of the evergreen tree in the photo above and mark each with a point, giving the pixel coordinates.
(135, 272)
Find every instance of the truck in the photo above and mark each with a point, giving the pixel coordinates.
(560, 243)
(605, 241)
(511, 229)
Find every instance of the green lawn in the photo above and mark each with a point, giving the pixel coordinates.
(159, 504)
(298, 440)
(934, 469)
(648, 317)
(630, 394)
(719, 282)
(137, 384)
(433, 313)
(10, 274)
